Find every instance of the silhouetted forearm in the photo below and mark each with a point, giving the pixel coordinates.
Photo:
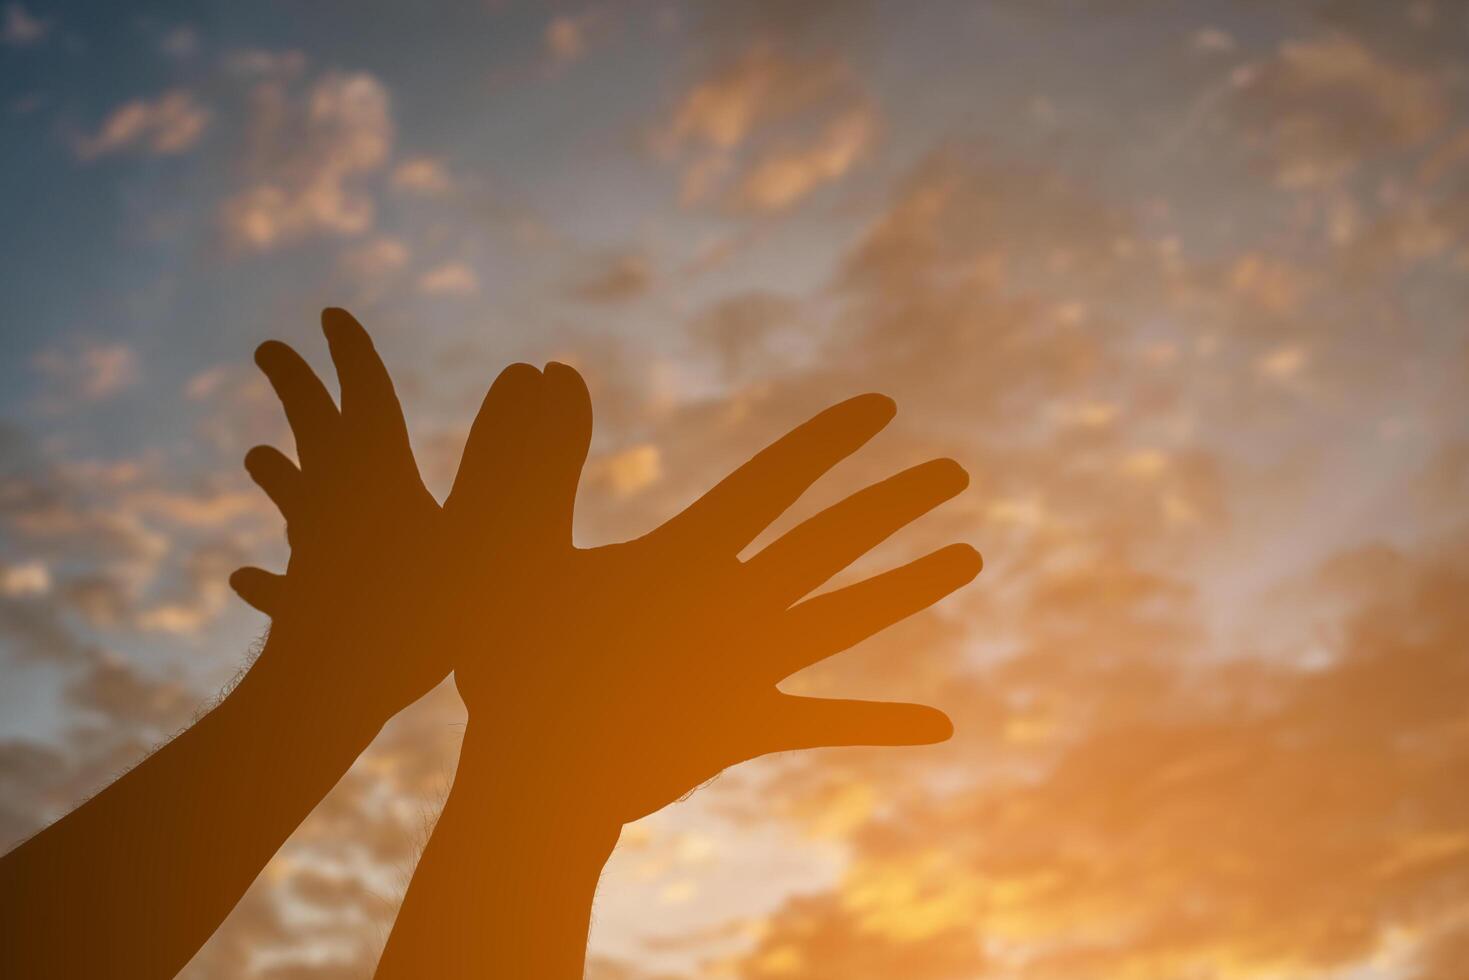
(134, 881)
(505, 886)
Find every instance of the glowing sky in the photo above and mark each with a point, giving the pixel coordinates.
(1181, 283)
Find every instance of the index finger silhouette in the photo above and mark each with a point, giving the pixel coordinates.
(566, 431)
(310, 411)
(370, 407)
(743, 504)
(492, 455)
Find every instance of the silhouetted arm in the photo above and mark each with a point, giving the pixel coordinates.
(133, 882)
(505, 886)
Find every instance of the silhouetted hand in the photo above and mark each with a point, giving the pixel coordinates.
(368, 585)
(640, 670)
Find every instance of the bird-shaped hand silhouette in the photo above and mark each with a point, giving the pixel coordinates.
(637, 671)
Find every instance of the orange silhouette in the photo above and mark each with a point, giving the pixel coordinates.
(601, 683)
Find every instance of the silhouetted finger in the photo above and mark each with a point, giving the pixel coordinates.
(818, 548)
(312, 414)
(730, 516)
(278, 477)
(264, 590)
(552, 468)
(809, 723)
(487, 484)
(370, 407)
(826, 625)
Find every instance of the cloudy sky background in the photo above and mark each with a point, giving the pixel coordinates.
(1182, 284)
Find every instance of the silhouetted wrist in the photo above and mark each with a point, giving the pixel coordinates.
(506, 884)
(283, 692)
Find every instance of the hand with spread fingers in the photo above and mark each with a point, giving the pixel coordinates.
(371, 579)
(636, 671)
(663, 653)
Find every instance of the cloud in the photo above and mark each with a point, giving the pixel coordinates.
(101, 599)
(25, 768)
(20, 29)
(1134, 790)
(722, 111)
(375, 259)
(87, 370)
(1182, 819)
(783, 177)
(620, 277)
(165, 126)
(1323, 106)
(1283, 363)
(742, 330)
(307, 155)
(206, 507)
(567, 37)
(115, 689)
(422, 175)
(631, 470)
(30, 578)
(1213, 40)
(200, 593)
(450, 279)
(751, 122)
(1275, 286)
(181, 42)
(259, 62)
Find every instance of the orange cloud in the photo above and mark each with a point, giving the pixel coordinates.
(757, 99)
(165, 126)
(422, 175)
(449, 279)
(1324, 105)
(783, 177)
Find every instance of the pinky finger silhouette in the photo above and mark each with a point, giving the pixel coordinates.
(812, 723)
(282, 482)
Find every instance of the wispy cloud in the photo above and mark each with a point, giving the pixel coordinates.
(87, 370)
(19, 28)
(774, 125)
(568, 37)
(308, 151)
(785, 175)
(170, 124)
(616, 278)
(422, 175)
(450, 279)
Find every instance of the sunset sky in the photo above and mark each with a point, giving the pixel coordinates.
(1182, 284)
